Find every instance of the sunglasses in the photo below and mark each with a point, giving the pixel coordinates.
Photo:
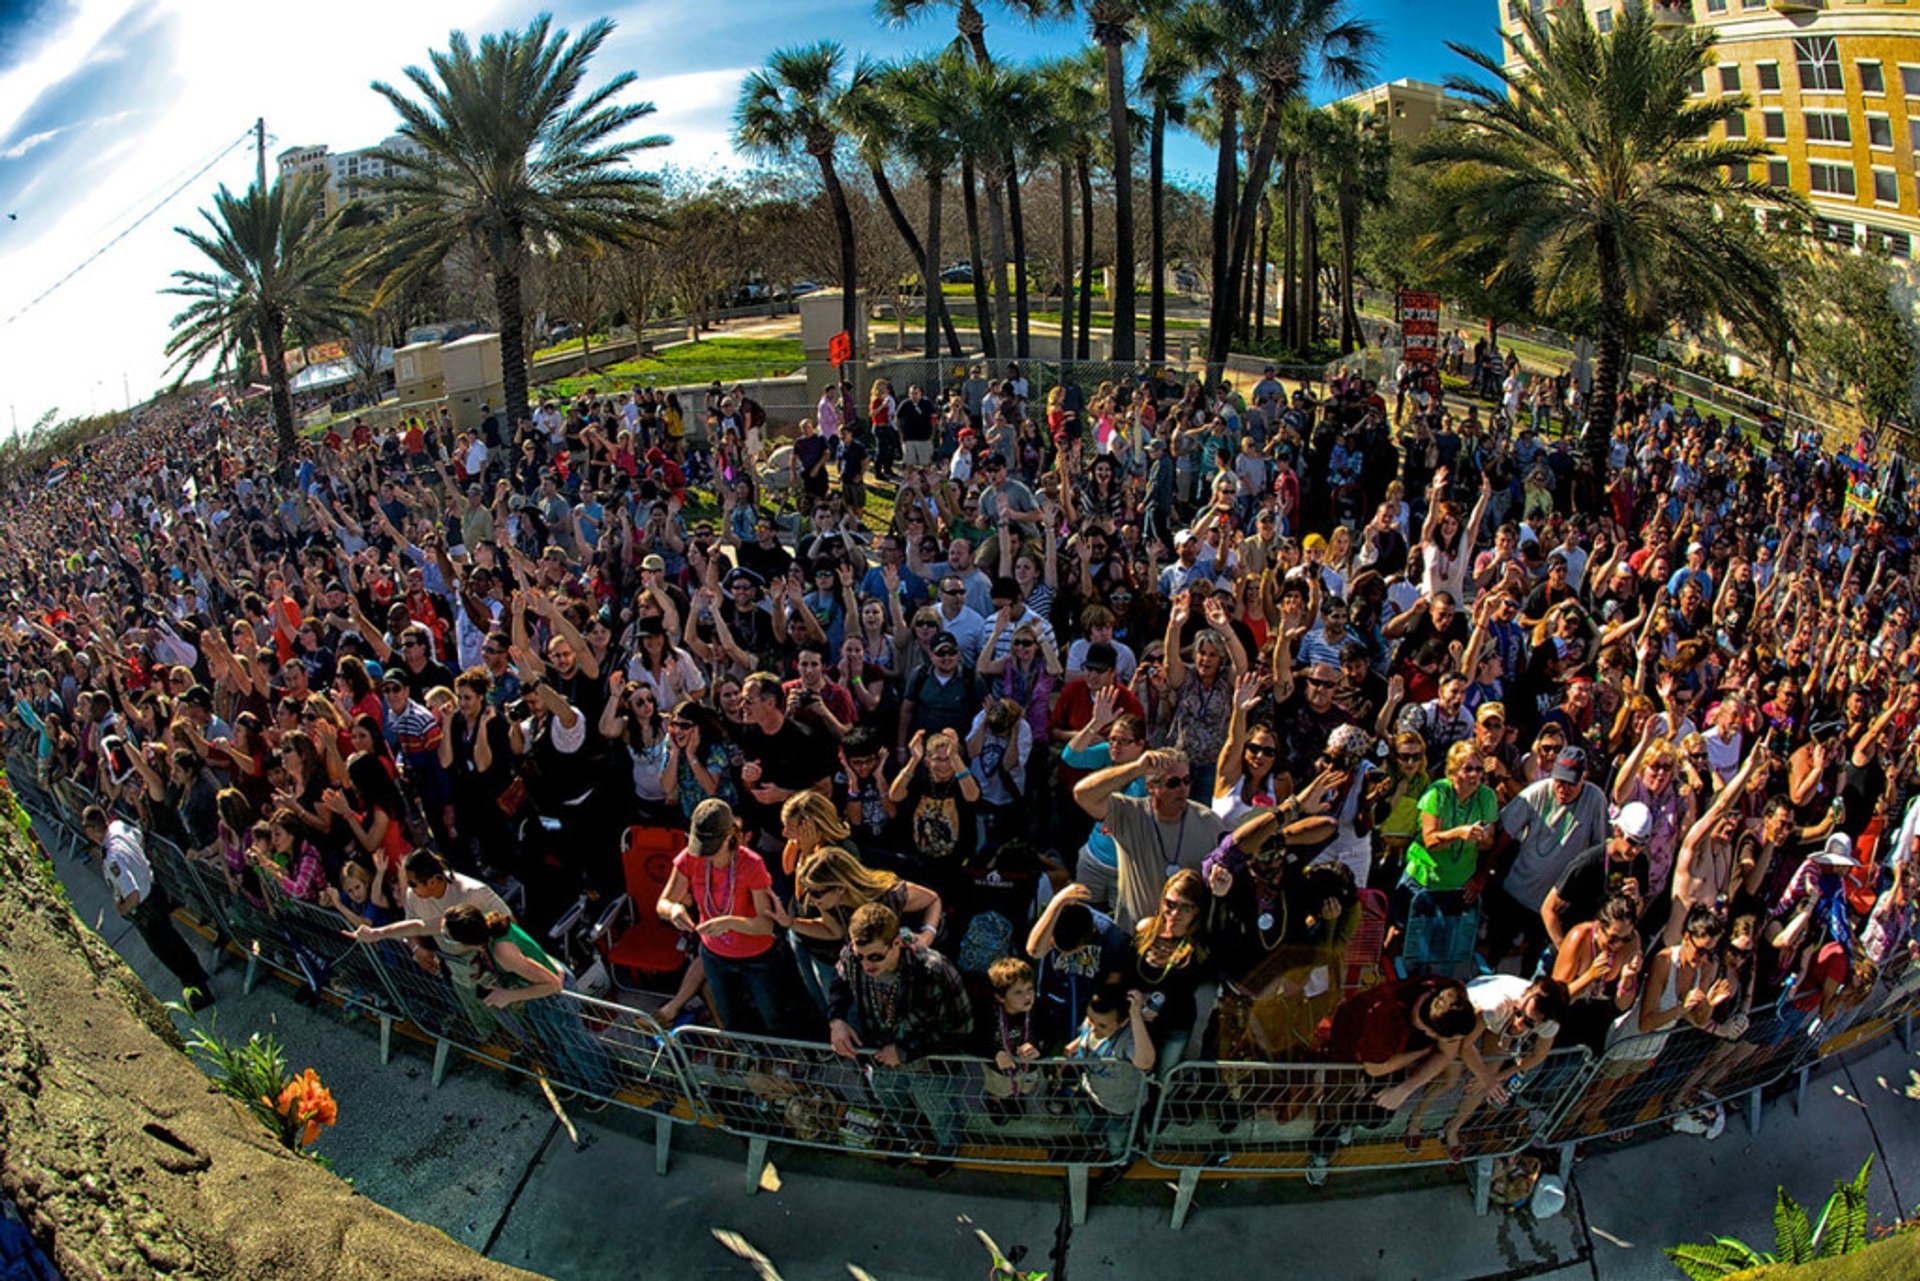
(874, 958)
(1410, 758)
(1466, 770)
(1172, 782)
(1259, 749)
(1179, 905)
(1316, 683)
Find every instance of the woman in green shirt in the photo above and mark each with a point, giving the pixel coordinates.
(1457, 825)
(518, 973)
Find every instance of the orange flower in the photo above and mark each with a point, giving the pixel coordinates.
(305, 1102)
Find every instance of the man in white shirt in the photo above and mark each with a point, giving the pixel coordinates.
(432, 888)
(1519, 1021)
(138, 898)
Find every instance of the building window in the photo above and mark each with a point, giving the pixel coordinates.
(1730, 79)
(1897, 243)
(1513, 10)
(1818, 61)
(1913, 133)
(1835, 233)
(1872, 79)
(1880, 132)
(1778, 174)
(1737, 125)
(1716, 6)
(1769, 73)
(1828, 126)
(1774, 125)
(1698, 85)
(1825, 179)
(1603, 20)
(1886, 187)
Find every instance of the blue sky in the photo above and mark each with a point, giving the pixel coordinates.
(108, 106)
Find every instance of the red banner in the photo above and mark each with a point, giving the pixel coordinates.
(1418, 315)
(840, 348)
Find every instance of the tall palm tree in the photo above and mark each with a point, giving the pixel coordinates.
(276, 270)
(1296, 42)
(1593, 168)
(1163, 82)
(1111, 22)
(999, 108)
(793, 106)
(1211, 41)
(505, 153)
(905, 111)
(972, 27)
(1354, 164)
(1074, 110)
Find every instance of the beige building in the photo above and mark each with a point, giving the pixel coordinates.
(1832, 85)
(348, 174)
(1410, 107)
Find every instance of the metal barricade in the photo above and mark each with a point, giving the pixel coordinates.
(1298, 1118)
(1654, 1078)
(1048, 1113)
(197, 891)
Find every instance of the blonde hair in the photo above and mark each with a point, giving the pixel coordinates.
(832, 867)
(818, 810)
(1459, 752)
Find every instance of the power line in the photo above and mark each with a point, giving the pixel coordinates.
(88, 261)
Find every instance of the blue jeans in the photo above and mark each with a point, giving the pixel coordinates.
(816, 973)
(745, 991)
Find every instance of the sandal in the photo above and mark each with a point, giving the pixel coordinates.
(1412, 1140)
(1456, 1152)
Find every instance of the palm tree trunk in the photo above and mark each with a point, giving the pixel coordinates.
(1156, 211)
(513, 343)
(938, 317)
(1084, 169)
(1243, 313)
(1597, 438)
(982, 306)
(1350, 334)
(1309, 261)
(849, 266)
(889, 199)
(1259, 166)
(1118, 125)
(1226, 192)
(1066, 260)
(1260, 299)
(1289, 304)
(273, 354)
(997, 243)
(1017, 228)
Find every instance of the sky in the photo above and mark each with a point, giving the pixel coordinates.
(120, 118)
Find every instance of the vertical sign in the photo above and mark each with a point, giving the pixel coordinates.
(1418, 314)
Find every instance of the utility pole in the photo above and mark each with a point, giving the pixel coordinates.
(260, 152)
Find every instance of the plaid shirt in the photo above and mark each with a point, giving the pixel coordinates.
(931, 1013)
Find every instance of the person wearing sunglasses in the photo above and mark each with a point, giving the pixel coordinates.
(1154, 836)
(899, 1001)
(1551, 823)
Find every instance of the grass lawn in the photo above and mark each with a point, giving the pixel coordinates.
(572, 345)
(694, 362)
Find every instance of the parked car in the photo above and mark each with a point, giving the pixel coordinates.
(960, 273)
(803, 288)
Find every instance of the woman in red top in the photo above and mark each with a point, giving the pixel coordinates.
(721, 893)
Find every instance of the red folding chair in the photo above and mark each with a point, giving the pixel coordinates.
(1364, 963)
(640, 949)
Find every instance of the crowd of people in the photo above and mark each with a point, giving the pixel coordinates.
(1104, 744)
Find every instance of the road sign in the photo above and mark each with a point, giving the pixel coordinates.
(1418, 314)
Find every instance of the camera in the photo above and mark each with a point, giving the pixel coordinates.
(519, 709)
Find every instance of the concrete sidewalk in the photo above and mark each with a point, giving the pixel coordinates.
(483, 1158)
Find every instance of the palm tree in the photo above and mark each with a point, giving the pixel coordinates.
(999, 106)
(905, 111)
(1295, 43)
(1209, 40)
(1593, 168)
(1163, 82)
(504, 153)
(1072, 115)
(1355, 163)
(792, 107)
(276, 272)
(1111, 22)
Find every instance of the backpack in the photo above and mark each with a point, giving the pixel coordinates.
(989, 938)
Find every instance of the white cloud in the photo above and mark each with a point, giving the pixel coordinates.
(29, 142)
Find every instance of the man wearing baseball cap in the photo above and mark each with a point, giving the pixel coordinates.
(1618, 866)
(1550, 823)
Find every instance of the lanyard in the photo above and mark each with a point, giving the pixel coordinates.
(1179, 839)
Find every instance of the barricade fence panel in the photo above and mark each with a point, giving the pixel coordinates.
(1285, 1118)
(1047, 1112)
(1271, 1118)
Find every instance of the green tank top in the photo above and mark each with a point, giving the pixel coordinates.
(533, 951)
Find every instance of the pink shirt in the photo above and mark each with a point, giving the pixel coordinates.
(727, 891)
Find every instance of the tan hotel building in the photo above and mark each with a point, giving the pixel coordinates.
(1832, 85)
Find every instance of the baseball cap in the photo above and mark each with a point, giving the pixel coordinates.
(1100, 657)
(946, 642)
(1570, 766)
(1494, 711)
(655, 562)
(1634, 821)
(712, 825)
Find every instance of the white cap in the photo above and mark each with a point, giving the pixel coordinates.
(1634, 821)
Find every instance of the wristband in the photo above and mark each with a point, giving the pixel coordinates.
(965, 773)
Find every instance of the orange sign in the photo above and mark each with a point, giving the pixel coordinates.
(840, 348)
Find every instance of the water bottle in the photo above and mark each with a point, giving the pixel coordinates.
(1156, 1000)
